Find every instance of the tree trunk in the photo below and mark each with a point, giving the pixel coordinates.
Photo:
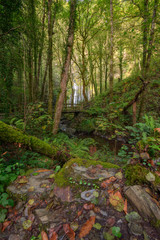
(121, 62)
(10, 135)
(134, 112)
(111, 52)
(42, 45)
(51, 21)
(50, 53)
(64, 76)
(100, 65)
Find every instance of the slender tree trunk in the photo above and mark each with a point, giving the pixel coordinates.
(30, 76)
(84, 72)
(51, 21)
(50, 53)
(42, 45)
(111, 78)
(100, 65)
(64, 76)
(145, 37)
(121, 62)
(147, 51)
(106, 73)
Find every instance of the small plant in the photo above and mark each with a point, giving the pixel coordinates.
(116, 232)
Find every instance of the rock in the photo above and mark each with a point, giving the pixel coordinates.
(133, 217)
(88, 195)
(135, 229)
(14, 237)
(42, 215)
(150, 177)
(143, 202)
(145, 156)
(105, 214)
(64, 194)
(79, 169)
(119, 175)
(34, 182)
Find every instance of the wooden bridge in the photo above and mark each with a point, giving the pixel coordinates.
(75, 109)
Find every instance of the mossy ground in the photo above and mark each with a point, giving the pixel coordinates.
(136, 174)
(62, 177)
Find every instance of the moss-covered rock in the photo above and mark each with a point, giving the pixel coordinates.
(136, 174)
(62, 177)
(9, 134)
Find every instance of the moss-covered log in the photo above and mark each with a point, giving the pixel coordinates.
(9, 134)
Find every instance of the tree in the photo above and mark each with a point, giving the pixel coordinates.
(67, 61)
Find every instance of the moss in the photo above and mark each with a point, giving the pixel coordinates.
(11, 135)
(62, 177)
(136, 174)
(155, 223)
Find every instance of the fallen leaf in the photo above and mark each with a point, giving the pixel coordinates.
(107, 182)
(44, 235)
(30, 202)
(80, 212)
(23, 180)
(27, 224)
(87, 226)
(5, 225)
(117, 201)
(88, 206)
(97, 226)
(54, 236)
(69, 232)
(74, 226)
(43, 170)
(125, 206)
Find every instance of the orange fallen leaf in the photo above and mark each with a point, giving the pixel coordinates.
(107, 182)
(125, 206)
(44, 235)
(87, 226)
(117, 201)
(5, 225)
(88, 206)
(69, 232)
(42, 170)
(54, 236)
(80, 212)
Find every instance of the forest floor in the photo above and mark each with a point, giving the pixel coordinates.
(93, 208)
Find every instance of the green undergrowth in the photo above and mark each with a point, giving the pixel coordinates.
(136, 174)
(63, 176)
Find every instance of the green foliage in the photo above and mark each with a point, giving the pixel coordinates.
(116, 231)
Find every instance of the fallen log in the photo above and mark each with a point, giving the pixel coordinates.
(8, 134)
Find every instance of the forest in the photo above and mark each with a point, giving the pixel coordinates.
(79, 119)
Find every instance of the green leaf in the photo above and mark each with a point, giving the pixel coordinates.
(97, 226)
(3, 213)
(116, 232)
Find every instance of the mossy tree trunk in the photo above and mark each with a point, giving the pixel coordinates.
(10, 135)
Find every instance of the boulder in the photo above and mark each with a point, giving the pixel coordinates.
(143, 202)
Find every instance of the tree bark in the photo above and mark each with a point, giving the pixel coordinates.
(111, 78)
(51, 21)
(64, 76)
